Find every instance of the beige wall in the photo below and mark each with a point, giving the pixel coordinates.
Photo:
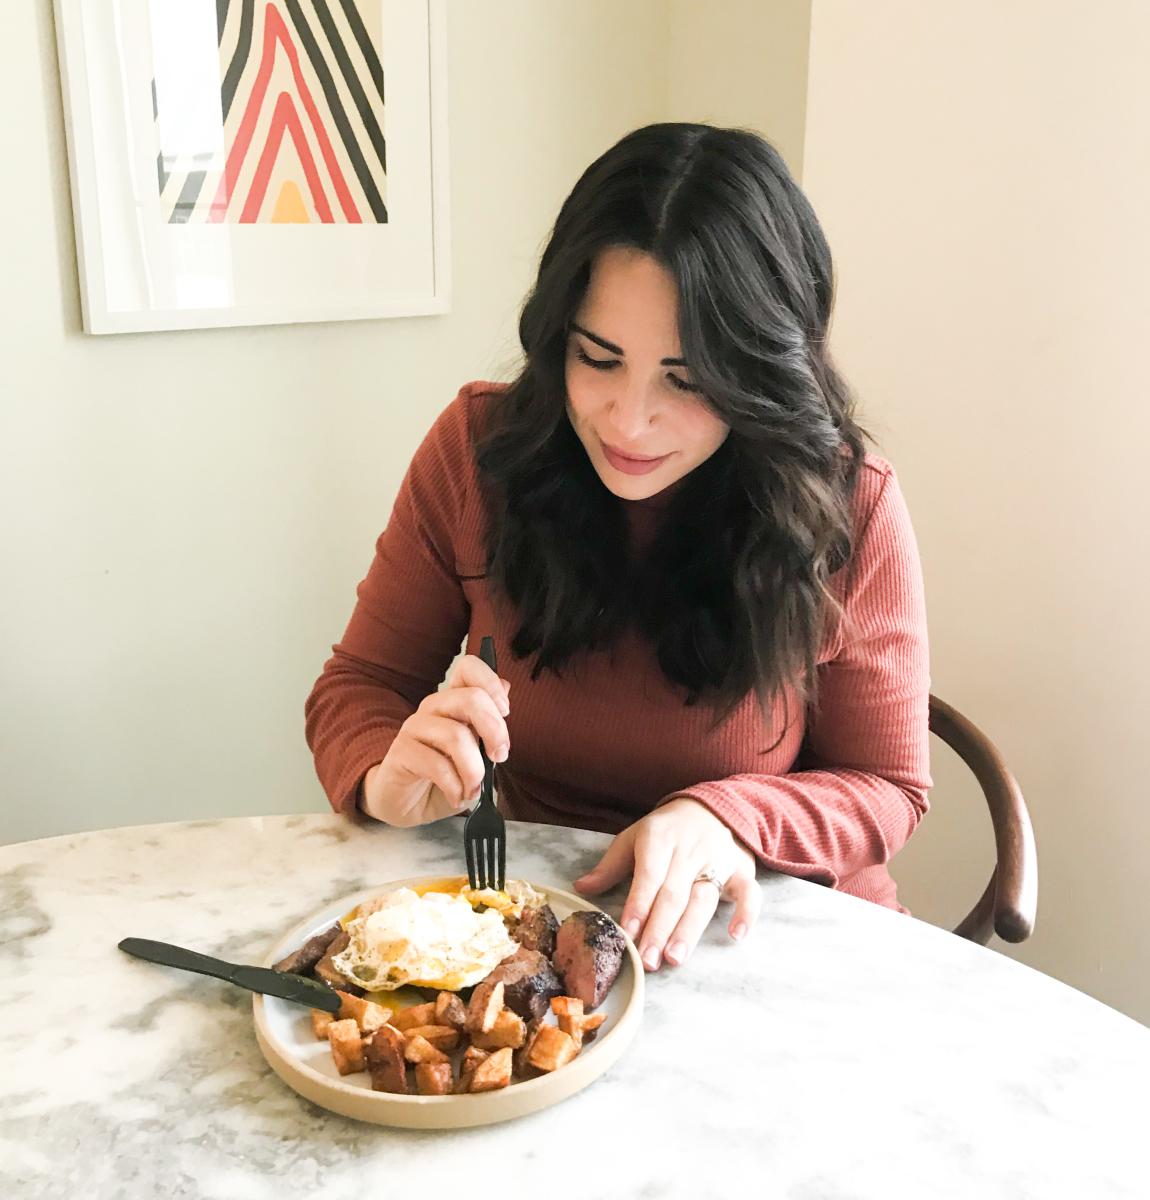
(741, 62)
(982, 175)
(184, 516)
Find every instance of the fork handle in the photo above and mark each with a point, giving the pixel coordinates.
(487, 655)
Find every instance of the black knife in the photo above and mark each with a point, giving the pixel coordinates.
(255, 979)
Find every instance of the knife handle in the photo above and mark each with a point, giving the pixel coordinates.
(168, 955)
(265, 980)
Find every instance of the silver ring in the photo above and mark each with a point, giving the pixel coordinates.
(710, 875)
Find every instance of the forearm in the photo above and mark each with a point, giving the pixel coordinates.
(822, 825)
(352, 717)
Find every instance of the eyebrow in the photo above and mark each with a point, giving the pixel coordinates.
(601, 341)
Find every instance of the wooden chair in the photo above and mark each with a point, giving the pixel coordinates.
(1007, 907)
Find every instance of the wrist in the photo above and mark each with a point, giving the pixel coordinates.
(368, 799)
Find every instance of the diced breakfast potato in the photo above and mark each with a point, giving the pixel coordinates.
(522, 1067)
(346, 1046)
(573, 1028)
(592, 1021)
(508, 1030)
(417, 1014)
(485, 1007)
(320, 1023)
(493, 1073)
(420, 1050)
(442, 1037)
(383, 1052)
(368, 1015)
(552, 1048)
(472, 1057)
(572, 1020)
(433, 1078)
(450, 1010)
(567, 1006)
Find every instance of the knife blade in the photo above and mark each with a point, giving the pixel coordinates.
(256, 979)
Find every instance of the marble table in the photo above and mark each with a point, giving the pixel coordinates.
(842, 1051)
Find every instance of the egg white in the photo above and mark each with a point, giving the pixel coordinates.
(435, 940)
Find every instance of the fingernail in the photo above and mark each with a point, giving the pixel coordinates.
(504, 708)
(676, 953)
(739, 932)
(651, 959)
(631, 925)
(500, 754)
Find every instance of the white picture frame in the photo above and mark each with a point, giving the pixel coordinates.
(293, 219)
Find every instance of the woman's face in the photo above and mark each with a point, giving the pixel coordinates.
(630, 396)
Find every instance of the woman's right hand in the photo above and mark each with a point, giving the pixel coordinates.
(433, 768)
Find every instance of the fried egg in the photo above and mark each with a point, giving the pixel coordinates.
(433, 940)
(510, 903)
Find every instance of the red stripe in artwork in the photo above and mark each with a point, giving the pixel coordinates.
(285, 117)
(276, 30)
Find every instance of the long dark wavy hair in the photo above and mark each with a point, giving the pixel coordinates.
(734, 593)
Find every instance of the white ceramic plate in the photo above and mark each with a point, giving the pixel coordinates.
(285, 1037)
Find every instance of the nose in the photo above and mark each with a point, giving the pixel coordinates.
(631, 413)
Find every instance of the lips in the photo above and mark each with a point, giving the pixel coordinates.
(631, 464)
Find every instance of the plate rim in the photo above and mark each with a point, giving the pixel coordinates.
(607, 1049)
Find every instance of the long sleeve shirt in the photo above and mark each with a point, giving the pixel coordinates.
(828, 794)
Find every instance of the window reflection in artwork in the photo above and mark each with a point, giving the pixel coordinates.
(269, 111)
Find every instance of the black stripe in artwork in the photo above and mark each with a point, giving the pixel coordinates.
(339, 115)
(161, 174)
(239, 59)
(189, 194)
(365, 46)
(352, 79)
(222, 7)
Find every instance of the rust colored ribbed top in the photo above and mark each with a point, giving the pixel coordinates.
(836, 797)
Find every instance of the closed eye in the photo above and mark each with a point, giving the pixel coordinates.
(599, 364)
(609, 364)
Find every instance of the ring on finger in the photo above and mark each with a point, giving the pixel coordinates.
(710, 875)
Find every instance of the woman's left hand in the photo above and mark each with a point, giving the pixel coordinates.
(668, 907)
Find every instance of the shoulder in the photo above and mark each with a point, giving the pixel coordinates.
(877, 504)
(443, 481)
(446, 455)
(880, 520)
(463, 421)
(875, 478)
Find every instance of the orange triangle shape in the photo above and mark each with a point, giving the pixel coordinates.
(290, 208)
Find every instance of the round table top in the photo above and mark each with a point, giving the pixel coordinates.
(842, 1050)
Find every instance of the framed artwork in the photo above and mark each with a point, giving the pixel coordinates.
(248, 162)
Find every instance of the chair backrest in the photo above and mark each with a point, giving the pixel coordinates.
(1009, 904)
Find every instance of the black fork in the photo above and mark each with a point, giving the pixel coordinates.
(485, 834)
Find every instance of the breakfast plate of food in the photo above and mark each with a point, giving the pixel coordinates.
(459, 1006)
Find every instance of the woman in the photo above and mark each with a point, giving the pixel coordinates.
(706, 596)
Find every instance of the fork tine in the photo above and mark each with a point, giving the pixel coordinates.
(501, 849)
(472, 869)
